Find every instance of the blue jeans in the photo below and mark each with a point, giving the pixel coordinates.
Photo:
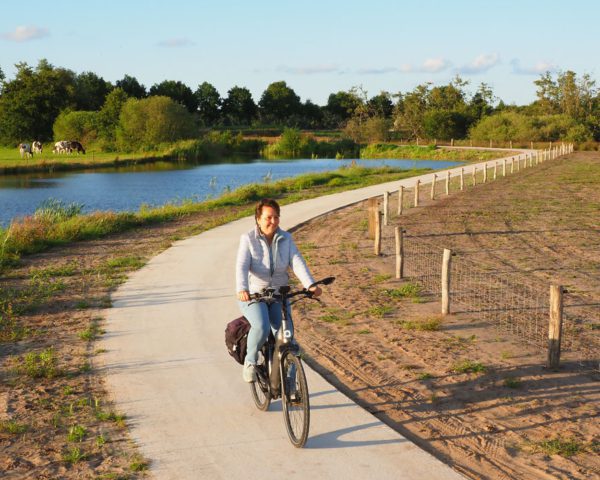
(261, 316)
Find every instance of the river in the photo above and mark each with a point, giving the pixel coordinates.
(127, 188)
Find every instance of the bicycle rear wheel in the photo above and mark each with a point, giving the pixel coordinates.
(296, 407)
(260, 389)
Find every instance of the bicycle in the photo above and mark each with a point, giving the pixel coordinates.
(279, 371)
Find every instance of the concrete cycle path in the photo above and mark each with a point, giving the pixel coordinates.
(167, 369)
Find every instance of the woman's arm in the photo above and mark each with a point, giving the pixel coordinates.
(242, 268)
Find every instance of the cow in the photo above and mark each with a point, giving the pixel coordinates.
(25, 150)
(63, 146)
(78, 147)
(36, 147)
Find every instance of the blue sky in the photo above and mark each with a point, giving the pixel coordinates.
(317, 46)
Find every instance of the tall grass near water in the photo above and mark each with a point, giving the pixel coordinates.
(56, 223)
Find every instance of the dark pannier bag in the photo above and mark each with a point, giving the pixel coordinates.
(236, 338)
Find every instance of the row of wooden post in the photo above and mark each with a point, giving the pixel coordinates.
(539, 157)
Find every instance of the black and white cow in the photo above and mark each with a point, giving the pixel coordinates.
(25, 150)
(62, 146)
(78, 147)
(36, 147)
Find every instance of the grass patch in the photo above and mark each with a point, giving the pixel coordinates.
(73, 455)
(39, 365)
(408, 290)
(364, 331)
(382, 277)
(512, 382)
(92, 332)
(76, 433)
(468, 366)
(559, 446)
(428, 325)
(425, 376)
(13, 427)
(380, 311)
(139, 464)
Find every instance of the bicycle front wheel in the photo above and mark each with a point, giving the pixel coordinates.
(260, 389)
(296, 407)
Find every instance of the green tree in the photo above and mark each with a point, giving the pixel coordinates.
(481, 104)
(381, 105)
(178, 91)
(444, 124)
(239, 107)
(131, 87)
(30, 103)
(90, 91)
(410, 111)
(279, 104)
(108, 117)
(342, 105)
(149, 122)
(209, 104)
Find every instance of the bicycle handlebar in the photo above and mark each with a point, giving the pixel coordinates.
(270, 293)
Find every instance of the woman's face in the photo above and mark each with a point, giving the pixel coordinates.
(268, 221)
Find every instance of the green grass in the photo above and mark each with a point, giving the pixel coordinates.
(429, 325)
(13, 427)
(40, 365)
(380, 311)
(73, 455)
(427, 152)
(559, 446)
(425, 376)
(408, 290)
(512, 382)
(364, 331)
(381, 277)
(468, 366)
(92, 332)
(76, 433)
(139, 464)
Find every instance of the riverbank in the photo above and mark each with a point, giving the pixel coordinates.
(199, 152)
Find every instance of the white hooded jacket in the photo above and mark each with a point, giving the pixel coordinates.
(254, 269)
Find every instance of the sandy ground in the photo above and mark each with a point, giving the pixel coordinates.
(503, 419)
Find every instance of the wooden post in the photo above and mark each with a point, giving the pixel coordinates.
(386, 207)
(399, 252)
(531, 145)
(446, 281)
(518, 164)
(474, 175)
(417, 193)
(530, 160)
(400, 198)
(485, 169)
(512, 165)
(433, 186)
(490, 144)
(555, 326)
(495, 169)
(373, 209)
(504, 167)
(510, 144)
(377, 245)
(462, 178)
(451, 142)
(448, 182)
(417, 141)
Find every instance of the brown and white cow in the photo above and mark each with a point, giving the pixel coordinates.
(25, 150)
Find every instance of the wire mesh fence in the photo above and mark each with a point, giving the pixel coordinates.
(511, 300)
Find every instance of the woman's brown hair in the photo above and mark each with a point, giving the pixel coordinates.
(265, 202)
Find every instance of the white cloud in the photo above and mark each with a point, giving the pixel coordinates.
(434, 65)
(176, 42)
(540, 67)
(481, 64)
(308, 70)
(376, 71)
(25, 33)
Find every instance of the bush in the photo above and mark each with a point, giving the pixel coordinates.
(146, 123)
(81, 126)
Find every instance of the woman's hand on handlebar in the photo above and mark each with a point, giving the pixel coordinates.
(244, 296)
(316, 291)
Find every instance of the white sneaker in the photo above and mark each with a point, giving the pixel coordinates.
(248, 373)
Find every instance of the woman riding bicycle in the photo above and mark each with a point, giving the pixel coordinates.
(264, 256)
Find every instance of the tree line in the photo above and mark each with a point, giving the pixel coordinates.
(47, 102)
